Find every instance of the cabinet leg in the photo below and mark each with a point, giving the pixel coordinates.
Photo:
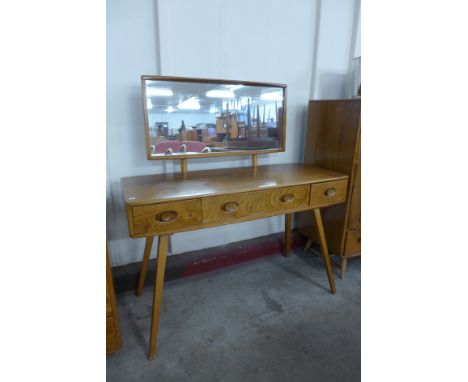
(287, 234)
(343, 266)
(144, 265)
(324, 247)
(157, 293)
(308, 245)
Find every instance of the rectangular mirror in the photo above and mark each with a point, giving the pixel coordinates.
(187, 117)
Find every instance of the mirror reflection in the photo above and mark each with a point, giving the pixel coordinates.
(189, 118)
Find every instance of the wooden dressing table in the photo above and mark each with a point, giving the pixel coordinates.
(160, 205)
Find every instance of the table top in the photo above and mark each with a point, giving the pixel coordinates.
(159, 188)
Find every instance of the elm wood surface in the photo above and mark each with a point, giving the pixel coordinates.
(159, 188)
(324, 248)
(254, 202)
(334, 141)
(158, 205)
(287, 234)
(144, 264)
(112, 320)
(163, 242)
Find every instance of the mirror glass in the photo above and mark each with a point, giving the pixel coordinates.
(198, 117)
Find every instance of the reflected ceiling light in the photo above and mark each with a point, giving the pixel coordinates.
(235, 87)
(275, 96)
(213, 109)
(220, 94)
(170, 109)
(161, 92)
(149, 105)
(190, 104)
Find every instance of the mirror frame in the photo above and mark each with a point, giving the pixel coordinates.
(239, 152)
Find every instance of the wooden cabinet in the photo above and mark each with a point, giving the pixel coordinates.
(112, 321)
(334, 142)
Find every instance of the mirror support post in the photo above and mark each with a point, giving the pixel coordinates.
(183, 166)
(254, 160)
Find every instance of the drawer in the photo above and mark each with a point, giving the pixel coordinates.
(237, 206)
(166, 217)
(353, 242)
(322, 194)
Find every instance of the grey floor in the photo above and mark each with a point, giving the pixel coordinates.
(271, 319)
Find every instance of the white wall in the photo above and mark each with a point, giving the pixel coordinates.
(336, 47)
(262, 40)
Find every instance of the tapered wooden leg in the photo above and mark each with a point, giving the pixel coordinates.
(144, 265)
(343, 266)
(157, 293)
(324, 247)
(287, 234)
(308, 245)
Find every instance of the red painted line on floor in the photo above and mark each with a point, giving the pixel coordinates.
(217, 258)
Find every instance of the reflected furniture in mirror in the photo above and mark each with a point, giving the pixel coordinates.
(222, 118)
(187, 117)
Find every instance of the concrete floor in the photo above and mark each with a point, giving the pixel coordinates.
(271, 319)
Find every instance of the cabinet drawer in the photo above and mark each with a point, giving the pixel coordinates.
(166, 217)
(322, 194)
(237, 206)
(353, 242)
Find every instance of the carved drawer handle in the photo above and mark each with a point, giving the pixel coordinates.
(166, 216)
(231, 207)
(287, 198)
(330, 192)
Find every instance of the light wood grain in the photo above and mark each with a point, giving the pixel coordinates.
(112, 344)
(157, 293)
(323, 194)
(108, 303)
(287, 234)
(253, 203)
(333, 141)
(332, 134)
(354, 220)
(168, 203)
(144, 264)
(112, 320)
(151, 219)
(324, 248)
(160, 188)
(353, 242)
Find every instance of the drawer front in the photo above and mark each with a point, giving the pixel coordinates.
(237, 206)
(322, 194)
(166, 217)
(353, 242)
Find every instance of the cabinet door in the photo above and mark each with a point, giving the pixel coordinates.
(353, 242)
(354, 220)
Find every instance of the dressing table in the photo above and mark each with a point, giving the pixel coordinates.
(163, 204)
